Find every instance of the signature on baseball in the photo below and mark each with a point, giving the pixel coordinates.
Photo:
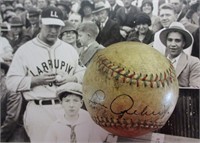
(117, 108)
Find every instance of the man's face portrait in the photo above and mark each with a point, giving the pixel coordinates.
(167, 16)
(175, 43)
(49, 33)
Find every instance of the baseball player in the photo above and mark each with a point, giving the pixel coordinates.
(38, 68)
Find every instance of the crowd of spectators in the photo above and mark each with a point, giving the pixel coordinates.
(20, 19)
(111, 21)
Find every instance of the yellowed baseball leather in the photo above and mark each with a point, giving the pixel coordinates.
(130, 89)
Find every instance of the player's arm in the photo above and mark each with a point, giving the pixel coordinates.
(17, 79)
(79, 68)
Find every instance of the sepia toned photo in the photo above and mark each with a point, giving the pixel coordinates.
(99, 71)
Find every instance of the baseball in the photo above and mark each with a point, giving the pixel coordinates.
(130, 89)
(58, 77)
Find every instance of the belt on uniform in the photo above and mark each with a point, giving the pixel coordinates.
(47, 102)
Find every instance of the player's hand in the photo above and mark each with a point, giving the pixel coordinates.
(62, 79)
(43, 79)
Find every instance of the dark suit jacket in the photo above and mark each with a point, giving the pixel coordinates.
(86, 56)
(23, 38)
(188, 71)
(112, 13)
(110, 34)
(10, 111)
(35, 32)
(195, 48)
(127, 19)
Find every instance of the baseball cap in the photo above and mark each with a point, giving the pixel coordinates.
(52, 16)
(70, 87)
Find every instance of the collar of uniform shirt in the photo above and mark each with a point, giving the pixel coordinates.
(174, 60)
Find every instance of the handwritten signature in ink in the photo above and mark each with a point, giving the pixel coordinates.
(128, 108)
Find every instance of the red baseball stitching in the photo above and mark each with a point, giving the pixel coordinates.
(126, 76)
(110, 122)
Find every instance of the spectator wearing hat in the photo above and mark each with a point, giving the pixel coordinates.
(8, 13)
(19, 9)
(75, 18)
(87, 6)
(147, 7)
(76, 125)
(38, 68)
(176, 38)
(33, 15)
(5, 48)
(88, 31)
(19, 35)
(69, 35)
(109, 29)
(65, 7)
(126, 17)
(6, 31)
(113, 9)
(167, 15)
(142, 32)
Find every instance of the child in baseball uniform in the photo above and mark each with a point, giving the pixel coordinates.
(76, 125)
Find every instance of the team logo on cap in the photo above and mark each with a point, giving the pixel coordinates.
(53, 14)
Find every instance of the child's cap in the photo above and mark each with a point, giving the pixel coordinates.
(70, 87)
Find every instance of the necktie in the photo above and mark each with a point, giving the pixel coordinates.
(101, 25)
(73, 134)
(173, 61)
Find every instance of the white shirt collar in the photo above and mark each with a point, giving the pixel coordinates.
(113, 7)
(104, 23)
(174, 61)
